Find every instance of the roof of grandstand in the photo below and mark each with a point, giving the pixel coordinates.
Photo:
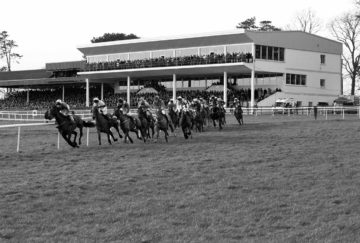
(288, 39)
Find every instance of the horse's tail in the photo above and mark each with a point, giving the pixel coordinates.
(88, 124)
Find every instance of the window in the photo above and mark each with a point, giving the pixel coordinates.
(263, 52)
(281, 58)
(322, 59)
(288, 78)
(270, 53)
(322, 83)
(257, 51)
(295, 79)
(303, 80)
(276, 53)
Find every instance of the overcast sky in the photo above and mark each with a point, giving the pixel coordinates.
(50, 30)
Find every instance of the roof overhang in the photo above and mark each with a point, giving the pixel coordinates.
(39, 82)
(196, 70)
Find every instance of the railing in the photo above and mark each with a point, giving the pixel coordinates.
(321, 111)
(19, 126)
(165, 62)
(35, 116)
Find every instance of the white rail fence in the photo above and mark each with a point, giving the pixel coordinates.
(19, 126)
(322, 111)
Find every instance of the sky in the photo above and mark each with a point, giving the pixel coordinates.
(50, 30)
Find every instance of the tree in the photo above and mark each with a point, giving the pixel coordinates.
(307, 21)
(346, 29)
(113, 37)
(250, 24)
(266, 25)
(6, 50)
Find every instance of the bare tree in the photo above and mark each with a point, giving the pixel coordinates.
(6, 50)
(346, 29)
(307, 21)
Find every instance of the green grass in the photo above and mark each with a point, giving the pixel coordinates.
(276, 179)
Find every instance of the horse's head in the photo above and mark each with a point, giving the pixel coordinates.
(50, 113)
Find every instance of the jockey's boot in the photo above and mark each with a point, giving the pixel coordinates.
(72, 119)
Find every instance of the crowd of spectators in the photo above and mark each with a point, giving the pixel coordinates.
(75, 97)
(171, 61)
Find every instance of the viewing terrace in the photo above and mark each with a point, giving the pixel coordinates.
(170, 61)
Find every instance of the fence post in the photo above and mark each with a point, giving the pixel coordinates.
(87, 137)
(18, 140)
(325, 113)
(58, 141)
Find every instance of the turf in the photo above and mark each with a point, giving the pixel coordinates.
(275, 179)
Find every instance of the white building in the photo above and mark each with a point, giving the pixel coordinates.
(303, 66)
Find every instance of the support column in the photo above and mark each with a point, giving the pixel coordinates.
(102, 91)
(27, 97)
(87, 102)
(225, 88)
(252, 101)
(63, 92)
(128, 90)
(174, 87)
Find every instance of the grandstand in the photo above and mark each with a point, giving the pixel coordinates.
(256, 67)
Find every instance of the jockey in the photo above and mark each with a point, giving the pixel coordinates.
(64, 109)
(181, 104)
(220, 103)
(101, 106)
(159, 105)
(202, 103)
(143, 103)
(213, 101)
(144, 107)
(171, 105)
(236, 103)
(196, 104)
(125, 108)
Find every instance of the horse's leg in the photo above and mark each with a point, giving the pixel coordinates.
(80, 135)
(99, 137)
(220, 124)
(166, 135)
(64, 135)
(157, 132)
(214, 122)
(110, 134)
(130, 139)
(185, 133)
(75, 135)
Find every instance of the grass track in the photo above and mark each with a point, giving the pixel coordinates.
(276, 179)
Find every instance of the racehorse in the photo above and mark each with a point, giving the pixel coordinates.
(174, 118)
(238, 113)
(128, 125)
(146, 123)
(185, 122)
(67, 127)
(162, 124)
(198, 120)
(217, 114)
(104, 125)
